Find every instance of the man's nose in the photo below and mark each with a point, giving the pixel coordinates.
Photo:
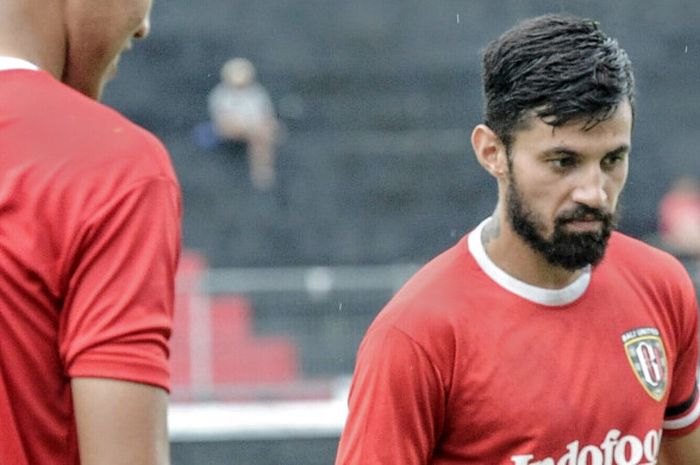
(591, 189)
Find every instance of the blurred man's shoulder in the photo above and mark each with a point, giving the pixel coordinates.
(97, 135)
(58, 133)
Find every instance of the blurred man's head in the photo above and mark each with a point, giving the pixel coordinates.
(238, 72)
(97, 32)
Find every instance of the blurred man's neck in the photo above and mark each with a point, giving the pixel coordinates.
(32, 30)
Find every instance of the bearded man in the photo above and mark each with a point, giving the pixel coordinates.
(542, 337)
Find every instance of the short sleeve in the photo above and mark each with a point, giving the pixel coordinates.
(682, 414)
(117, 315)
(396, 403)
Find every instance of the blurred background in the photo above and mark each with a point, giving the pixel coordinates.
(374, 174)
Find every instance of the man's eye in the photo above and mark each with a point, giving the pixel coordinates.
(563, 163)
(611, 161)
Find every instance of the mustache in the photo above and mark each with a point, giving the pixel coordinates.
(585, 213)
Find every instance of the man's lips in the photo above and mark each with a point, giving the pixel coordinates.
(584, 225)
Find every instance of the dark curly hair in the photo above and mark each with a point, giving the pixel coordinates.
(555, 67)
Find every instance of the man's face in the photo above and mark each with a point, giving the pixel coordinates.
(563, 187)
(98, 32)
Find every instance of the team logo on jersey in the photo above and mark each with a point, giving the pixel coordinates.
(645, 352)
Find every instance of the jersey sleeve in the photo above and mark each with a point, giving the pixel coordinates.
(117, 314)
(396, 403)
(682, 414)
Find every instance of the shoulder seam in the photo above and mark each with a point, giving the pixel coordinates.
(425, 354)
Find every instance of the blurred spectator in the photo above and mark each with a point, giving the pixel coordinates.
(241, 110)
(679, 218)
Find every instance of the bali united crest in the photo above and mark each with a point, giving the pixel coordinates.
(647, 356)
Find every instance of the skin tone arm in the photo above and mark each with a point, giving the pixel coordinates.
(120, 423)
(684, 450)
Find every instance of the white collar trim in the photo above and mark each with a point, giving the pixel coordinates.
(539, 295)
(8, 63)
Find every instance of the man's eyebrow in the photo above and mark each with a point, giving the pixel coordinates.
(563, 150)
(624, 148)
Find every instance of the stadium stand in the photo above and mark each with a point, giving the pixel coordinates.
(378, 99)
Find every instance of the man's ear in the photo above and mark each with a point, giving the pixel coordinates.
(490, 151)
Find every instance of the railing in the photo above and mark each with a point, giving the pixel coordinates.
(252, 348)
(305, 323)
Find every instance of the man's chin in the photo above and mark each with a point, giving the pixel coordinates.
(577, 250)
(574, 263)
(95, 92)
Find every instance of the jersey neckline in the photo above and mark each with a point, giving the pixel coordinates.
(11, 63)
(538, 295)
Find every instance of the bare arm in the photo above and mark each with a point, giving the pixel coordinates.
(120, 423)
(684, 450)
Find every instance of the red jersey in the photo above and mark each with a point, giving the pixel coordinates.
(89, 240)
(467, 365)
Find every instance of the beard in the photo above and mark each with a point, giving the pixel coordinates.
(568, 250)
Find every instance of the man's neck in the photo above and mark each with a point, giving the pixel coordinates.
(33, 30)
(514, 256)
